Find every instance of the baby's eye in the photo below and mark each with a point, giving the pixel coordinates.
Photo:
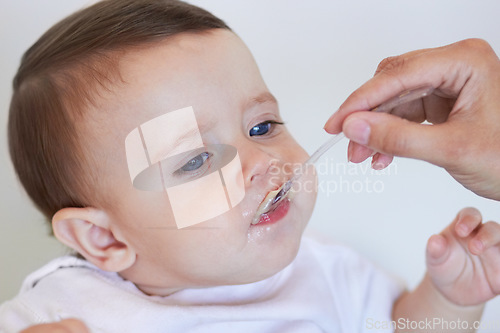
(195, 163)
(263, 128)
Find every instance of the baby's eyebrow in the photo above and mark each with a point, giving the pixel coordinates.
(265, 97)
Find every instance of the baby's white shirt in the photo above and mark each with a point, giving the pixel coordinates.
(327, 288)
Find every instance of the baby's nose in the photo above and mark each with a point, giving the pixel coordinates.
(257, 164)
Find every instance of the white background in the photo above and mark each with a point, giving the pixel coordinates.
(312, 54)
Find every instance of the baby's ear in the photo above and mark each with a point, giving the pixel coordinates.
(88, 231)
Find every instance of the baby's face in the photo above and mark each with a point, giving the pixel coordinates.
(215, 74)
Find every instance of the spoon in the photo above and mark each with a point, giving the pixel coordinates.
(270, 203)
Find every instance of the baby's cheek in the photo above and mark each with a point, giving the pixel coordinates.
(293, 159)
(141, 213)
(300, 155)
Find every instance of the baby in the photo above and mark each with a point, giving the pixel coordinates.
(123, 69)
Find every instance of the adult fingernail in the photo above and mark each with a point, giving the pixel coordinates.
(329, 121)
(378, 165)
(358, 130)
(478, 245)
(349, 152)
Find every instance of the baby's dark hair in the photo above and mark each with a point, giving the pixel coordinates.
(58, 77)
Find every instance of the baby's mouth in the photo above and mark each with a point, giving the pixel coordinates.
(268, 204)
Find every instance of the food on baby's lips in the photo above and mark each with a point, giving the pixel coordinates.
(269, 203)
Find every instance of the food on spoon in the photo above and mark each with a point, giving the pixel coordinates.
(267, 202)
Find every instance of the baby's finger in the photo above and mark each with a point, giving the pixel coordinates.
(467, 220)
(436, 250)
(487, 236)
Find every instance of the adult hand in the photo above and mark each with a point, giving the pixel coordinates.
(64, 326)
(464, 110)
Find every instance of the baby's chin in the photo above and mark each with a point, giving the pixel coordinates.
(274, 256)
(270, 247)
(268, 266)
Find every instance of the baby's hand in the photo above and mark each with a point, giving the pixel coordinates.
(463, 261)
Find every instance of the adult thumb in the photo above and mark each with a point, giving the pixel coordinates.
(391, 135)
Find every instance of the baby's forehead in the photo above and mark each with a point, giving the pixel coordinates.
(179, 60)
(183, 52)
(210, 72)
